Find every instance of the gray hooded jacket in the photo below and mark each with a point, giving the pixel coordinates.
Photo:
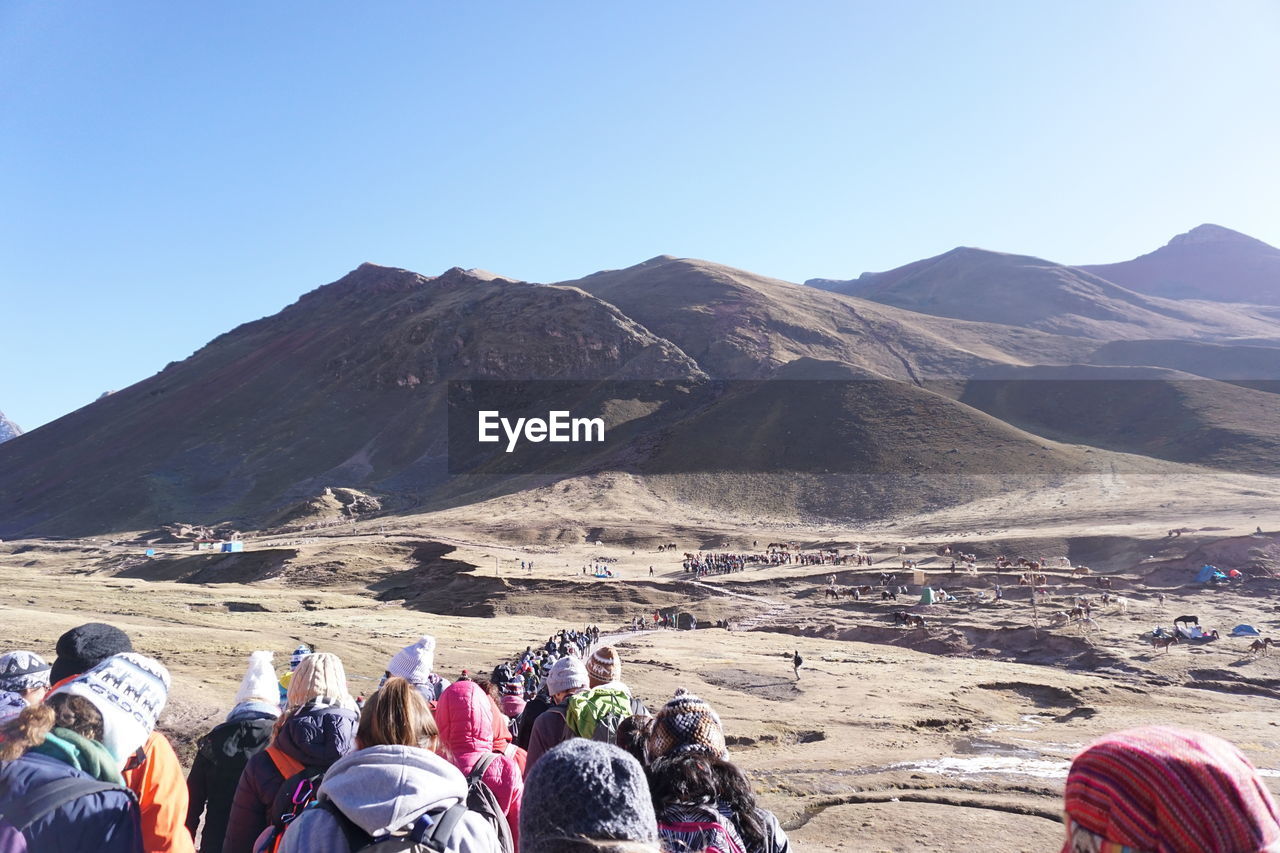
(383, 789)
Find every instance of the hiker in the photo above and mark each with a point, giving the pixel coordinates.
(567, 677)
(302, 651)
(632, 735)
(604, 672)
(221, 755)
(465, 716)
(84, 733)
(796, 662)
(701, 799)
(584, 792)
(153, 772)
(317, 728)
(1168, 789)
(393, 784)
(25, 674)
(533, 708)
(512, 704)
(415, 663)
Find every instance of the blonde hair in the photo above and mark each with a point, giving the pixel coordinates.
(397, 715)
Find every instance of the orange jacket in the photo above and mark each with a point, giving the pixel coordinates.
(162, 796)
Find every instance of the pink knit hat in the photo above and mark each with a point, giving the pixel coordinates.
(1166, 790)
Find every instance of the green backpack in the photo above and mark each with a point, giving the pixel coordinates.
(596, 713)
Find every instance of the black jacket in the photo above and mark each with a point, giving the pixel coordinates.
(220, 759)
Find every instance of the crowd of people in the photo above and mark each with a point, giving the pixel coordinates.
(552, 752)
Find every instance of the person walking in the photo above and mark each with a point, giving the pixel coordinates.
(796, 663)
(465, 717)
(393, 786)
(317, 728)
(221, 755)
(703, 800)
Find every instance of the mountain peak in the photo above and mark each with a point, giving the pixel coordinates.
(8, 429)
(1209, 233)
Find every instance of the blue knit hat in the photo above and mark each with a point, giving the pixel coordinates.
(584, 789)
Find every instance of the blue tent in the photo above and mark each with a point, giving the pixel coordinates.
(1244, 631)
(1208, 574)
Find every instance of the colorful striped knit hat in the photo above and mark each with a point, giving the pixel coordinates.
(1159, 789)
(686, 726)
(604, 666)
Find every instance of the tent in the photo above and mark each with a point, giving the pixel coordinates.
(1245, 631)
(1209, 574)
(926, 597)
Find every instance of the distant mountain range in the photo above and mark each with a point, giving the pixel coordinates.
(907, 389)
(8, 429)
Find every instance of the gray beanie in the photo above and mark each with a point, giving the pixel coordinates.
(569, 673)
(585, 789)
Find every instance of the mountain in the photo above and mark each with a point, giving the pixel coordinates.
(346, 387)
(8, 429)
(724, 392)
(1208, 262)
(741, 325)
(1029, 292)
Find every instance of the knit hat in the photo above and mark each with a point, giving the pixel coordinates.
(584, 789)
(82, 648)
(604, 666)
(415, 663)
(298, 654)
(129, 690)
(566, 674)
(513, 688)
(320, 676)
(11, 705)
(259, 689)
(1170, 790)
(686, 726)
(23, 670)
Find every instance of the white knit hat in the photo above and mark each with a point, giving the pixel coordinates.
(130, 691)
(259, 683)
(320, 676)
(416, 662)
(568, 673)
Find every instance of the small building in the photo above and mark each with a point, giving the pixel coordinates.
(231, 547)
(207, 544)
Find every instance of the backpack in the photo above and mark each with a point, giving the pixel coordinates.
(597, 713)
(296, 792)
(40, 801)
(426, 834)
(480, 799)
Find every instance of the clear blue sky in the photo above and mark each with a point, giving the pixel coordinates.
(170, 170)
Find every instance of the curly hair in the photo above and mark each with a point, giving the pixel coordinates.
(60, 711)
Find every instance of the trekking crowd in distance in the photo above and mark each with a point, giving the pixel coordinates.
(551, 752)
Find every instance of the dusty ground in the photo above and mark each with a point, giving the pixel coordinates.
(892, 739)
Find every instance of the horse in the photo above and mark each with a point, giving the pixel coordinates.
(1104, 583)
(1081, 571)
(888, 594)
(1260, 647)
(834, 592)
(911, 620)
(1164, 642)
